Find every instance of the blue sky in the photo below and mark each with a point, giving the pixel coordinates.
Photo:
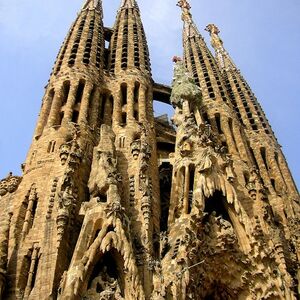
(263, 38)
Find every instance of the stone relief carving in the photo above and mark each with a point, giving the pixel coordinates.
(9, 184)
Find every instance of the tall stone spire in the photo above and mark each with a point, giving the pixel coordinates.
(128, 47)
(217, 109)
(222, 57)
(262, 140)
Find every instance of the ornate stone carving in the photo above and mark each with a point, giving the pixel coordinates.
(9, 184)
(255, 185)
(184, 87)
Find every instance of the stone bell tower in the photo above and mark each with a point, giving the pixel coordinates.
(44, 223)
(115, 203)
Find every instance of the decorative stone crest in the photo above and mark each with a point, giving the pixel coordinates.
(9, 184)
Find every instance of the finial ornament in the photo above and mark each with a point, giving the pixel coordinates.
(212, 29)
(185, 7)
(184, 4)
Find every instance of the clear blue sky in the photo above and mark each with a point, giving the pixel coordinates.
(263, 38)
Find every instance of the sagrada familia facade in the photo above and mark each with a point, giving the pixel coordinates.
(114, 203)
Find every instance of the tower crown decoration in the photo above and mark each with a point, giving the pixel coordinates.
(115, 203)
(129, 4)
(92, 4)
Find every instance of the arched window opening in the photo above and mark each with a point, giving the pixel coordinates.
(65, 92)
(218, 122)
(79, 92)
(136, 92)
(124, 93)
(165, 184)
(217, 204)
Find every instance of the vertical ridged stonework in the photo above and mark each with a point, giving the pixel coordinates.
(267, 153)
(128, 48)
(124, 176)
(116, 204)
(45, 222)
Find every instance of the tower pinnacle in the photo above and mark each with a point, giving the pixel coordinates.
(128, 3)
(92, 4)
(222, 56)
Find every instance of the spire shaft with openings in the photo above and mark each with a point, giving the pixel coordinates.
(267, 152)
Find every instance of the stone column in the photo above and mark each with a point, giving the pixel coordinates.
(33, 263)
(130, 102)
(85, 105)
(142, 104)
(96, 105)
(71, 101)
(28, 217)
(44, 113)
(228, 135)
(186, 190)
(107, 110)
(117, 111)
(287, 174)
(263, 170)
(240, 141)
(55, 107)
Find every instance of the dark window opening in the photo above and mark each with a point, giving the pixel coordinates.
(124, 117)
(218, 204)
(191, 187)
(124, 93)
(165, 183)
(65, 93)
(79, 92)
(136, 92)
(136, 115)
(75, 116)
(218, 121)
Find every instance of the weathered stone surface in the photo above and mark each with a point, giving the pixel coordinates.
(116, 204)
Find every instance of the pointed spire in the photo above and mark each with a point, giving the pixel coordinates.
(128, 4)
(128, 47)
(92, 4)
(190, 28)
(222, 56)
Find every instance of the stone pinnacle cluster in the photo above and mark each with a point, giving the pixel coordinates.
(114, 203)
